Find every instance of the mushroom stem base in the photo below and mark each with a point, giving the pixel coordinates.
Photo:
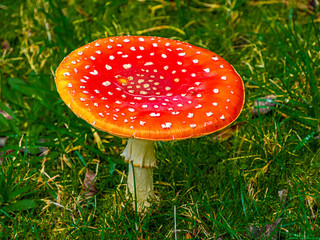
(140, 156)
(140, 185)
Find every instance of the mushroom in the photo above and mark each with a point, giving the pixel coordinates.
(149, 89)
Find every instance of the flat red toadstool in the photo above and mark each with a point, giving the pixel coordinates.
(148, 89)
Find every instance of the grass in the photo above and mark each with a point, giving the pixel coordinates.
(208, 188)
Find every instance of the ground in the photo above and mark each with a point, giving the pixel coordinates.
(258, 179)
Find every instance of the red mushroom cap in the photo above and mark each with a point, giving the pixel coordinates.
(150, 88)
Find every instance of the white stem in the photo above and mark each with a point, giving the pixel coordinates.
(140, 155)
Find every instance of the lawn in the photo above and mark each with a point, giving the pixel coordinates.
(257, 179)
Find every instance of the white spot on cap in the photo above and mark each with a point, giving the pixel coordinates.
(195, 60)
(141, 48)
(222, 117)
(166, 67)
(207, 70)
(97, 91)
(182, 54)
(98, 52)
(66, 74)
(125, 56)
(193, 125)
(139, 56)
(126, 40)
(198, 106)
(131, 110)
(154, 114)
(193, 74)
(144, 106)
(221, 66)
(133, 49)
(108, 67)
(215, 104)
(92, 58)
(232, 92)
(215, 58)
(154, 44)
(96, 104)
(106, 83)
(141, 39)
(97, 45)
(179, 63)
(142, 123)
(167, 44)
(223, 78)
(216, 90)
(190, 115)
(166, 125)
(80, 53)
(209, 114)
(163, 55)
(73, 62)
(69, 85)
(94, 72)
(148, 64)
(87, 66)
(82, 99)
(111, 57)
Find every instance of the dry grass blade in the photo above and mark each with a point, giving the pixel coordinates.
(5, 114)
